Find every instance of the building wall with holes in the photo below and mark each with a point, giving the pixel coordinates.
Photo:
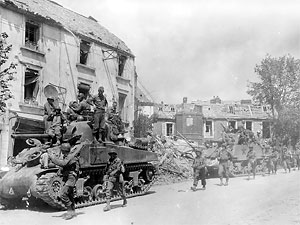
(57, 61)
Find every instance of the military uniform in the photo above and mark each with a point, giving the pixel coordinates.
(297, 157)
(100, 103)
(224, 157)
(275, 158)
(114, 178)
(199, 167)
(251, 157)
(69, 171)
(286, 160)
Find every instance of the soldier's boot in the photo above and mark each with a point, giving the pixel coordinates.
(226, 184)
(221, 182)
(203, 187)
(193, 188)
(70, 214)
(124, 202)
(107, 207)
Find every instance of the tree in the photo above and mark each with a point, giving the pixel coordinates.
(143, 124)
(279, 87)
(7, 73)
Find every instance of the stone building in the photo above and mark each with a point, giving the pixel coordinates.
(59, 52)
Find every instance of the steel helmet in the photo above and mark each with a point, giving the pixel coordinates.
(66, 147)
(112, 151)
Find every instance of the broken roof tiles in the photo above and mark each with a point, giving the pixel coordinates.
(69, 20)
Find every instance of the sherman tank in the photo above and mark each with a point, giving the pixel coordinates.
(28, 180)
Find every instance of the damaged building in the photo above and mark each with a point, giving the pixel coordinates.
(61, 53)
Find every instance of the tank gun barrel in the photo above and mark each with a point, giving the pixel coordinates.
(25, 136)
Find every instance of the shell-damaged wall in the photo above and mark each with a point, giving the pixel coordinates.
(57, 61)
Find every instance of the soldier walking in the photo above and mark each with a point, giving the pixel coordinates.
(199, 167)
(275, 158)
(114, 178)
(69, 171)
(251, 157)
(224, 158)
(286, 160)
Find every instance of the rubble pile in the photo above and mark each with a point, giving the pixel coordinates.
(175, 160)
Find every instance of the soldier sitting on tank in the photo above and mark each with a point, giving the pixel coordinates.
(114, 117)
(114, 178)
(54, 130)
(82, 107)
(71, 114)
(49, 111)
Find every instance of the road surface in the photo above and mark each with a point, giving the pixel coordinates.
(273, 200)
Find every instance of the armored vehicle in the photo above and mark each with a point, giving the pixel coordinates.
(28, 180)
(239, 165)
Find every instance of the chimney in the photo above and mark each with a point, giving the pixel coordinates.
(184, 100)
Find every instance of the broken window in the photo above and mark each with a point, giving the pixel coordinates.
(248, 125)
(208, 127)
(122, 60)
(31, 35)
(84, 51)
(232, 124)
(169, 129)
(31, 86)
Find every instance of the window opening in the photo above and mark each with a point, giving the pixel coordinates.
(169, 129)
(248, 125)
(31, 86)
(122, 60)
(84, 51)
(232, 124)
(208, 127)
(31, 35)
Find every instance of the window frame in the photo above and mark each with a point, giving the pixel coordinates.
(32, 44)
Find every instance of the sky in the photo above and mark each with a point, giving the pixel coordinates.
(198, 48)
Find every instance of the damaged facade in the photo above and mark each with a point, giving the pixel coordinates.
(61, 53)
(219, 115)
(202, 121)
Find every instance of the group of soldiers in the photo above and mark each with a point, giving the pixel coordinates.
(272, 157)
(93, 108)
(68, 158)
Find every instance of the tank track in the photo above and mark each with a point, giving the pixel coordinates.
(43, 191)
(140, 192)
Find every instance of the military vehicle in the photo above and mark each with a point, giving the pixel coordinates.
(239, 164)
(27, 180)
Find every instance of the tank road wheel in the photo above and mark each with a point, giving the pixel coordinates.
(34, 159)
(149, 175)
(141, 183)
(128, 187)
(87, 193)
(55, 186)
(98, 192)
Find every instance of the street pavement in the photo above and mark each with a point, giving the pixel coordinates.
(270, 199)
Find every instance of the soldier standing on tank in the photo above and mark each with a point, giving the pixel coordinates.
(198, 166)
(49, 111)
(224, 157)
(114, 177)
(100, 104)
(69, 171)
(251, 158)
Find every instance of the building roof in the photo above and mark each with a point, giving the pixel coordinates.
(234, 111)
(78, 24)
